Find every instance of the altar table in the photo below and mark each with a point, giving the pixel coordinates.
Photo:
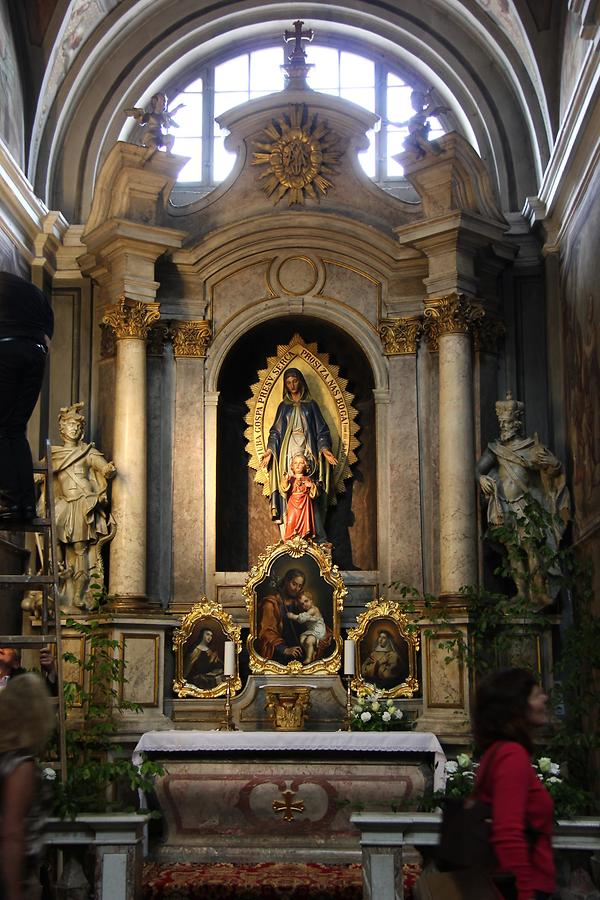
(244, 795)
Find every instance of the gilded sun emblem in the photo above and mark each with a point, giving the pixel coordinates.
(298, 154)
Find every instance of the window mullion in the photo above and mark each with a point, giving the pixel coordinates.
(208, 124)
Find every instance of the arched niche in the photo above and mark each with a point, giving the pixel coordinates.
(243, 524)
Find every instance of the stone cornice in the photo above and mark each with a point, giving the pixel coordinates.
(131, 319)
(400, 336)
(191, 339)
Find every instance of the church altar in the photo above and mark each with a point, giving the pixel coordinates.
(240, 795)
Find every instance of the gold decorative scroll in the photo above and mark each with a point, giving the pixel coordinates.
(326, 387)
(452, 314)
(400, 336)
(131, 319)
(191, 339)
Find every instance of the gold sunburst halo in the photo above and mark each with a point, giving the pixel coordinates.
(299, 154)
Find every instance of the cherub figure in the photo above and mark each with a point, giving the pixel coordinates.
(314, 629)
(300, 492)
(157, 120)
(418, 125)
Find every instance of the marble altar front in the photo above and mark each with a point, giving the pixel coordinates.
(263, 795)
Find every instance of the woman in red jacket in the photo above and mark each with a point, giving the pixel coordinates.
(509, 706)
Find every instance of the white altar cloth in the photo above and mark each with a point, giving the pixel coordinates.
(177, 741)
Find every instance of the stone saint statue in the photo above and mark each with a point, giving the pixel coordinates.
(299, 429)
(83, 523)
(513, 472)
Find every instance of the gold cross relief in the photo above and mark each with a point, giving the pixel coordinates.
(288, 807)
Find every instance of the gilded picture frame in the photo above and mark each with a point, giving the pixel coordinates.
(199, 647)
(386, 651)
(294, 595)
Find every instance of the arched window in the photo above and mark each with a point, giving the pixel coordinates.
(367, 81)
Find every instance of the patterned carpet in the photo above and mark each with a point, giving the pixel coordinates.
(263, 881)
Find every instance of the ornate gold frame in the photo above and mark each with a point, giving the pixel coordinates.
(326, 387)
(295, 549)
(386, 609)
(204, 609)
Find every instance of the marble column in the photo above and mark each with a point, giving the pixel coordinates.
(451, 318)
(191, 340)
(130, 321)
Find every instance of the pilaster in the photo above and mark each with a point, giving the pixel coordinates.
(191, 340)
(402, 504)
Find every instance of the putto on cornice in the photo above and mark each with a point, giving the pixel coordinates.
(400, 336)
(298, 154)
(191, 339)
(131, 319)
(452, 314)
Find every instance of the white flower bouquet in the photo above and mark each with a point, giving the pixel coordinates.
(371, 712)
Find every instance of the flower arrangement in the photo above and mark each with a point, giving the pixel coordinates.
(460, 773)
(371, 712)
(460, 776)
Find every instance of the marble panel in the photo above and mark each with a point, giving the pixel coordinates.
(233, 805)
(353, 288)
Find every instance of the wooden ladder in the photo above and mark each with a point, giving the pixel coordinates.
(47, 582)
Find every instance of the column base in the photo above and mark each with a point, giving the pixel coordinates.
(132, 603)
(449, 726)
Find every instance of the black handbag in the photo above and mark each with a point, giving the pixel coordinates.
(465, 841)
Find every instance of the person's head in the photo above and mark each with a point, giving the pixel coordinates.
(384, 640)
(27, 717)
(206, 635)
(294, 382)
(299, 464)
(158, 102)
(10, 659)
(307, 601)
(509, 705)
(293, 583)
(71, 423)
(509, 413)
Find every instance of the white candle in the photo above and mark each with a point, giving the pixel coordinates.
(229, 667)
(349, 648)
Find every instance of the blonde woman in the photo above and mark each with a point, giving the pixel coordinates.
(26, 723)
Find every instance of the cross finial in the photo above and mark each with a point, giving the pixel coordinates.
(296, 68)
(298, 36)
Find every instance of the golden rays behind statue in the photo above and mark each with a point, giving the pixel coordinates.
(297, 154)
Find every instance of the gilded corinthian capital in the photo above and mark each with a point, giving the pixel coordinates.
(400, 336)
(191, 338)
(131, 318)
(452, 314)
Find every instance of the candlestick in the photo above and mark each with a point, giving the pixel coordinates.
(347, 725)
(228, 724)
(349, 657)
